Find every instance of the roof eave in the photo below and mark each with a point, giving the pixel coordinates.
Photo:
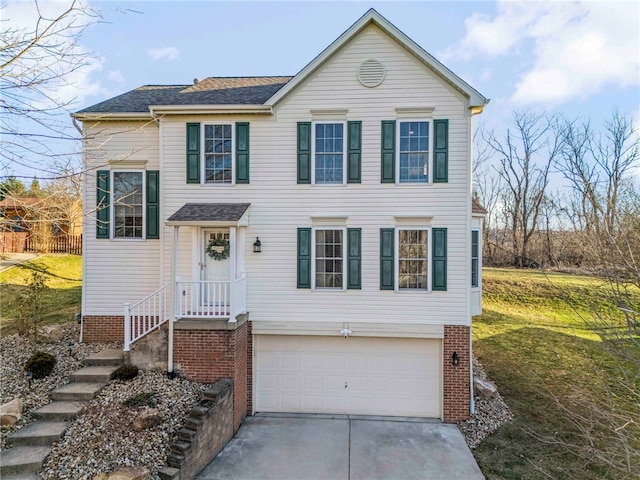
(372, 16)
(93, 116)
(210, 109)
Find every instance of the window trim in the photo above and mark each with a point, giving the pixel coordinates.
(344, 258)
(345, 139)
(478, 284)
(112, 205)
(203, 162)
(396, 258)
(429, 121)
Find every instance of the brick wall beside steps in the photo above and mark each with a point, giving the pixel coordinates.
(102, 328)
(456, 378)
(208, 355)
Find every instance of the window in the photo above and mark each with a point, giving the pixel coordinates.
(128, 204)
(413, 259)
(218, 156)
(329, 153)
(329, 258)
(475, 257)
(413, 161)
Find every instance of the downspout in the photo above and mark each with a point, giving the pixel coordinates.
(172, 293)
(472, 403)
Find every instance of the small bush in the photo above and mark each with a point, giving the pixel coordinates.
(145, 399)
(40, 364)
(126, 372)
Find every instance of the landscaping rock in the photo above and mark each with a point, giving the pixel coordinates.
(485, 389)
(126, 473)
(50, 334)
(11, 412)
(147, 419)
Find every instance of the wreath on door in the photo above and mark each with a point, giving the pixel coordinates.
(218, 248)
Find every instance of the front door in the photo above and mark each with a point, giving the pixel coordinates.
(215, 271)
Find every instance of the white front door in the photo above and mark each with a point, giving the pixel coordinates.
(215, 292)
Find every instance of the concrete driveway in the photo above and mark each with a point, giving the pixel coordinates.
(304, 447)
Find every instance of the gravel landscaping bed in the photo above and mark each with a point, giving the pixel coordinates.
(489, 414)
(16, 349)
(101, 439)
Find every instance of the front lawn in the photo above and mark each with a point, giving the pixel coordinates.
(563, 383)
(60, 301)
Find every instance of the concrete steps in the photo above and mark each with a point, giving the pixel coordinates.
(31, 444)
(60, 411)
(84, 391)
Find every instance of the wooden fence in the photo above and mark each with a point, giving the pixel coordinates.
(57, 244)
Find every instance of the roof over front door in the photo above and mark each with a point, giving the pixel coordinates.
(211, 215)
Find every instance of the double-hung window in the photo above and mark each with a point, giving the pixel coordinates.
(329, 253)
(128, 204)
(475, 258)
(413, 259)
(218, 153)
(413, 151)
(329, 152)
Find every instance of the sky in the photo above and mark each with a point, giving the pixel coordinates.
(580, 59)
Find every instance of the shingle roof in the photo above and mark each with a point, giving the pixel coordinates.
(477, 208)
(210, 91)
(209, 212)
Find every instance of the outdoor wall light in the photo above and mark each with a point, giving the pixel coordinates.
(257, 246)
(455, 360)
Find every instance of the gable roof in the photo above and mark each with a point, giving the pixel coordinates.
(373, 17)
(210, 91)
(259, 94)
(477, 208)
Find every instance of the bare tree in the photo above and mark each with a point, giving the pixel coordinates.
(37, 63)
(524, 158)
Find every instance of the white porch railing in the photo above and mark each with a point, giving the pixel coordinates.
(145, 316)
(210, 298)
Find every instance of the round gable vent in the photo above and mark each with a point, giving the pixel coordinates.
(371, 73)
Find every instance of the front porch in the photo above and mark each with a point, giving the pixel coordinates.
(207, 284)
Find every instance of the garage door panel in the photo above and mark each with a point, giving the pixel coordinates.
(383, 376)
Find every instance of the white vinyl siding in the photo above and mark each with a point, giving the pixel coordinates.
(279, 205)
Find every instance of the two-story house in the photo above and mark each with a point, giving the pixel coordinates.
(312, 237)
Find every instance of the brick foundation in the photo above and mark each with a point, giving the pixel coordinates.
(102, 328)
(209, 355)
(456, 393)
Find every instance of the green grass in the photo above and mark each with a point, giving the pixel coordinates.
(535, 342)
(60, 301)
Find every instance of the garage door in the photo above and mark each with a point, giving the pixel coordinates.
(358, 375)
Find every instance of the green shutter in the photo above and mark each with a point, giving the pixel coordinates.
(354, 263)
(304, 152)
(388, 174)
(441, 151)
(242, 152)
(439, 260)
(103, 202)
(354, 152)
(304, 258)
(193, 153)
(387, 237)
(153, 204)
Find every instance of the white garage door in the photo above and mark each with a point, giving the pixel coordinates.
(358, 375)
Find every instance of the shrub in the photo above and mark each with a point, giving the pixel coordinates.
(145, 399)
(126, 372)
(40, 364)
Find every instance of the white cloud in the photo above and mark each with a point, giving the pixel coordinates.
(575, 48)
(116, 76)
(170, 53)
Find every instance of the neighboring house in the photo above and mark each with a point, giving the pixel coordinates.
(344, 261)
(41, 220)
